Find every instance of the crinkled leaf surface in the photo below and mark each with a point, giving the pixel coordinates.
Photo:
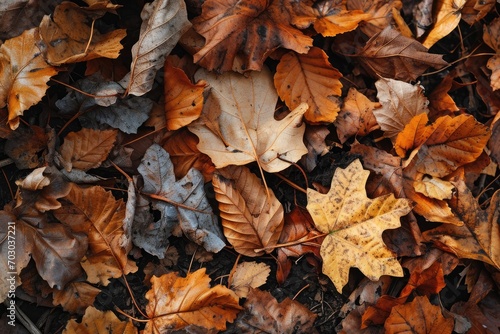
(355, 224)
(184, 198)
(95, 321)
(237, 125)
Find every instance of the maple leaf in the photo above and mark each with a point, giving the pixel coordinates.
(69, 35)
(248, 275)
(252, 29)
(23, 75)
(95, 321)
(182, 200)
(309, 78)
(252, 218)
(355, 224)
(176, 302)
(237, 125)
(163, 23)
(263, 314)
(447, 17)
(389, 54)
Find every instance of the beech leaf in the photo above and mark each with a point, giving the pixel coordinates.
(251, 216)
(176, 302)
(237, 125)
(355, 224)
(163, 23)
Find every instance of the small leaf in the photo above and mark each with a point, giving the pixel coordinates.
(76, 297)
(249, 275)
(95, 321)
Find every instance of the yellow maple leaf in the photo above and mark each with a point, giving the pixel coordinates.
(355, 224)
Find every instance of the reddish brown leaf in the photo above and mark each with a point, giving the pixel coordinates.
(76, 297)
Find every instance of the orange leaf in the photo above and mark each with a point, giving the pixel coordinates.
(87, 148)
(95, 321)
(253, 28)
(69, 35)
(439, 99)
(312, 79)
(447, 14)
(183, 100)
(176, 302)
(23, 73)
(76, 297)
(381, 13)
(419, 316)
(252, 218)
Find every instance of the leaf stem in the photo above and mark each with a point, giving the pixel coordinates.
(288, 244)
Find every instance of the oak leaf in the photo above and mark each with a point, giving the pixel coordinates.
(23, 75)
(263, 314)
(69, 35)
(248, 275)
(176, 302)
(95, 321)
(252, 29)
(355, 224)
(183, 200)
(252, 217)
(183, 99)
(389, 54)
(237, 125)
(87, 148)
(400, 102)
(446, 18)
(419, 316)
(163, 23)
(309, 78)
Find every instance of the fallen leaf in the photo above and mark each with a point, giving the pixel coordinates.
(24, 75)
(237, 125)
(69, 35)
(447, 14)
(76, 297)
(183, 100)
(356, 116)
(95, 321)
(309, 78)
(491, 36)
(381, 14)
(400, 103)
(252, 29)
(263, 314)
(183, 200)
(248, 275)
(439, 99)
(355, 224)
(419, 316)
(176, 302)
(24, 144)
(391, 55)
(87, 148)
(252, 217)
(163, 23)
(475, 10)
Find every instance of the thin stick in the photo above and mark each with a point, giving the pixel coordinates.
(298, 293)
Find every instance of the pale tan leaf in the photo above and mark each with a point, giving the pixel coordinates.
(446, 18)
(163, 23)
(35, 180)
(237, 125)
(249, 275)
(355, 224)
(252, 218)
(23, 75)
(176, 302)
(309, 78)
(87, 148)
(98, 322)
(434, 187)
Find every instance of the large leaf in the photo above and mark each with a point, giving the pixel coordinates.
(184, 198)
(23, 75)
(309, 78)
(163, 23)
(237, 125)
(251, 28)
(176, 302)
(355, 224)
(252, 217)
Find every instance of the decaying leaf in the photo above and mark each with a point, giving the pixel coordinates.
(309, 78)
(176, 302)
(251, 216)
(314, 138)
(491, 36)
(69, 35)
(263, 314)
(95, 321)
(355, 224)
(248, 275)
(183, 200)
(249, 28)
(76, 297)
(163, 23)
(391, 55)
(23, 75)
(237, 125)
